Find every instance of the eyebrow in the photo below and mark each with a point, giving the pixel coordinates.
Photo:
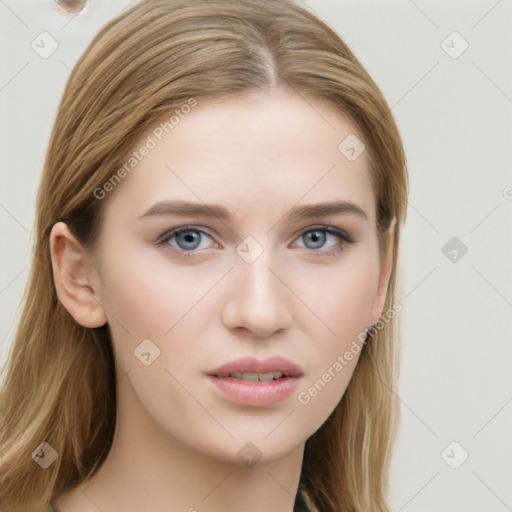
(297, 213)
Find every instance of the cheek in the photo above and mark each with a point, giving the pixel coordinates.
(343, 304)
(155, 299)
(148, 297)
(341, 297)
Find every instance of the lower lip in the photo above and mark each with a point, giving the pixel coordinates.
(256, 393)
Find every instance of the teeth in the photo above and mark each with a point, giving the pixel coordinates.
(256, 377)
(266, 376)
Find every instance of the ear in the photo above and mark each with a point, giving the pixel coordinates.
(385, 273)
(70, 275)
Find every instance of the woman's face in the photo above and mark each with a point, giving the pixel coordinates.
(251, 283)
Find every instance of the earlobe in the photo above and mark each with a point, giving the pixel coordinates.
(385, 273)
(70, 276)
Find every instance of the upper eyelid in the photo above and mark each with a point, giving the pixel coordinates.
(172, 232)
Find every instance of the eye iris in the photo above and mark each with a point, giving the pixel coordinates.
(187, 237)
(315, 235)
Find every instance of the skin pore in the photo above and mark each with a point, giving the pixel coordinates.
(201, 304)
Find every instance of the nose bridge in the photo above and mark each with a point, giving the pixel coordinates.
(254, 261)
(258, 299)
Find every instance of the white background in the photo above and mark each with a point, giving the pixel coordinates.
(455, 117)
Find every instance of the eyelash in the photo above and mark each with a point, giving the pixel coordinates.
(340, 247)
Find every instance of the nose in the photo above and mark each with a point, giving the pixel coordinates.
(257, 298)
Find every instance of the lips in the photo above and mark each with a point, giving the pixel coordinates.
(248, 381)
(251, 365)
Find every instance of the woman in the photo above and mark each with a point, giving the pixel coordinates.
(210, 319)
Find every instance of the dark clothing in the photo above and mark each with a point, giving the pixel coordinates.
(300, 504)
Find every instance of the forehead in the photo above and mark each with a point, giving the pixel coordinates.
(262, 150)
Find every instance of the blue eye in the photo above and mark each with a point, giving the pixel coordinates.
(318, 237)
(188, 240)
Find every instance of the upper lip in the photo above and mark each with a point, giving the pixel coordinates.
(250, 364)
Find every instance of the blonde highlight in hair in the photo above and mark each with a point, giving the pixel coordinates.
(59, 382)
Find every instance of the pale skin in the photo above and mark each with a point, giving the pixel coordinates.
(177, 437)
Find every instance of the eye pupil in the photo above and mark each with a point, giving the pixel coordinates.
(317, 236)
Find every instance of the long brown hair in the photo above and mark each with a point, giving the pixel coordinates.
(59, 381)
